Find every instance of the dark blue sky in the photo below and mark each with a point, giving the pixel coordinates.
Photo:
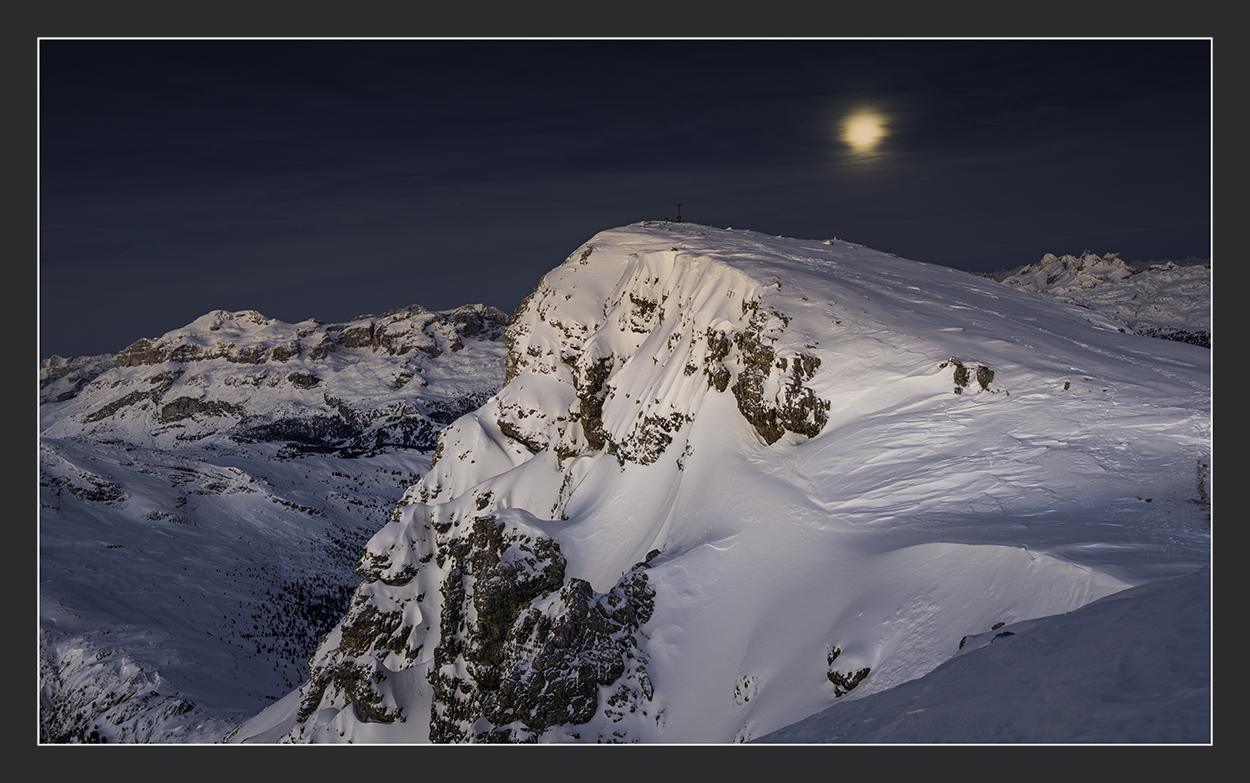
(327, 179)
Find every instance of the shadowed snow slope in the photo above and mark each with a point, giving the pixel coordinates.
(733, 479)
(1139, 659)
(204, 495)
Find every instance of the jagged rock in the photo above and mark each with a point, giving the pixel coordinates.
(303, 379)
(794, 408)
(141, 352)
(535, 649)
(590, 382)
(286, 351)
(520, 649)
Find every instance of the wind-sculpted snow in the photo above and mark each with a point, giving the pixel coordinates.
(733, 479)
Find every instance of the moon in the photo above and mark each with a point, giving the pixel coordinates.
(863, 130)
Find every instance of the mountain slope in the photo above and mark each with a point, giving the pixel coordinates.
(205, 495)
(1141, 657)
(732, 479)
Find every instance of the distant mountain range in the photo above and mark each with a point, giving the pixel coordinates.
(1167, 300)
(391, 380)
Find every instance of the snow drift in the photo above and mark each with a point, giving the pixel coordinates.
(733, 479)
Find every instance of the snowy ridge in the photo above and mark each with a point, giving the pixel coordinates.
(388, 380)
(1164, 300)
(732, 479)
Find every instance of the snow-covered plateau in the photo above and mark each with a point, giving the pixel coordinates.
(734, 487)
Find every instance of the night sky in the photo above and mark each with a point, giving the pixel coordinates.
(327, 179)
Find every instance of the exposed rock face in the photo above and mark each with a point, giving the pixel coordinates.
(186, 407)
(520, 649)
(245, 377)
(517, 648)
(792, 407)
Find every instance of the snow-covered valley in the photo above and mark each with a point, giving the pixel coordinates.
(203, 502)
(732, 483)
(182, 592)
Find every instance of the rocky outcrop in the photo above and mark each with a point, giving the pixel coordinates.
(187, 407)
(141, 352)
(964, 375)
(521, 650)
(517, 648)
(793, 407)
(844, 681)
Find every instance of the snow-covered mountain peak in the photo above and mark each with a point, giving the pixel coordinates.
(732, 478)
(1059, 273)
(241, 321)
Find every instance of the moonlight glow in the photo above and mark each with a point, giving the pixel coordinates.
(863, 130)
